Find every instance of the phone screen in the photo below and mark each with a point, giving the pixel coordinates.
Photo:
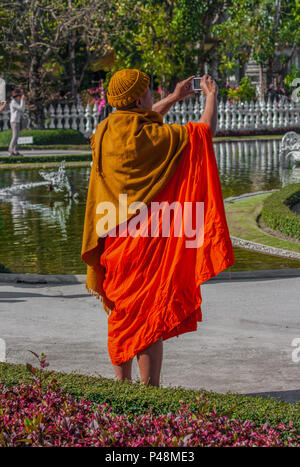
(196, 84)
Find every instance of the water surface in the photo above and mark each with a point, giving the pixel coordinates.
(41, 231)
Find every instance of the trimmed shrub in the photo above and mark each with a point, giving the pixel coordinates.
(128, 398)
(46, 137)
(276, 213)
(35, 416)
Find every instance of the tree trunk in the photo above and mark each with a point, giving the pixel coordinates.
(269, 74)
(35, 91)
(35, 79)
(72, 67)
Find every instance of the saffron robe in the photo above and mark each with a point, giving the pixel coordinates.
(154, 282)
(134, 153)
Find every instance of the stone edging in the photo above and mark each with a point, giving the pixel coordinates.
(259, 247)
(233, 199)
(68, 279)
(54, 279)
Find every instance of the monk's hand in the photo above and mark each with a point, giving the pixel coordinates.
(208, 85)
(184, 89)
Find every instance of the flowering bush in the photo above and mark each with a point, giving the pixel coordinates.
(38, 415)
(243, 92)
(31, 416)
(98, 97)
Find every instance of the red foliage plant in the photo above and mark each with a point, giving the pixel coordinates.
(43, 415)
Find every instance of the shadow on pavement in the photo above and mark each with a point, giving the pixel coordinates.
(292, 396)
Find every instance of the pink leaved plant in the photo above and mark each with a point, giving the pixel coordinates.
(40, 414)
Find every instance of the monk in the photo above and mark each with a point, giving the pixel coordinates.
(155, 225)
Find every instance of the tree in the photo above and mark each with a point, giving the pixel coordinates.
(164, 37)
(83, 38)
(54, 42)
(30, 37)
(265, 28)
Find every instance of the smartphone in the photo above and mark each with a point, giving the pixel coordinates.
(196, 83)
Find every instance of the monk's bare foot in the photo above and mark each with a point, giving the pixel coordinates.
(123, 371)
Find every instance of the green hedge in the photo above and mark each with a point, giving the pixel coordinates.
(46, 137)
(126, 397)
(276, 213)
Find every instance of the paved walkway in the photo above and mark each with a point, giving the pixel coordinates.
(244, 343)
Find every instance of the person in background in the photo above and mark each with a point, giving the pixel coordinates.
(2, 106)
(17, 108)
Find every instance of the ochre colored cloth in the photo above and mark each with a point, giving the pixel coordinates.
(134, 153)
(154, 282)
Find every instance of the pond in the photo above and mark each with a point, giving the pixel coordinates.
(41, 231)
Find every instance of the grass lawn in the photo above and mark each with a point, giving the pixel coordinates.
(242, 222)
(44, 165)
(134, 398)
(66, 147)
(51, 160)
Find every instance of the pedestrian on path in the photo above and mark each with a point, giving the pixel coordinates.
(149, 282)
(17, 108)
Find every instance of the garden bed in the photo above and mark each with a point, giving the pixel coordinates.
(277, 214)
(242, 217)
(77, 410)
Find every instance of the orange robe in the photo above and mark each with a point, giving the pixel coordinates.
(155, 281)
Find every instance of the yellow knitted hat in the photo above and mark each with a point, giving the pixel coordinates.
(126, 86)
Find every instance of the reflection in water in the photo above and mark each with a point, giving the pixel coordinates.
(55, 215)
(259, 162)
(41, 231)
(18, 188)
(57, 180)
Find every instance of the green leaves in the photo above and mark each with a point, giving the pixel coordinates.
(164, 38)
(53, 44)
(265, 27)
(276, 213)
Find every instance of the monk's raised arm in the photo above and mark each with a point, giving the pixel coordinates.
(210, 112)
(182, 90)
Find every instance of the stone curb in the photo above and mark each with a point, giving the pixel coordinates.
(265, 249)
(233, 199)
(65, 279)
(40, 279)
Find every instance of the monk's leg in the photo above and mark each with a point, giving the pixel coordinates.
(123, 371)
(150, 362)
